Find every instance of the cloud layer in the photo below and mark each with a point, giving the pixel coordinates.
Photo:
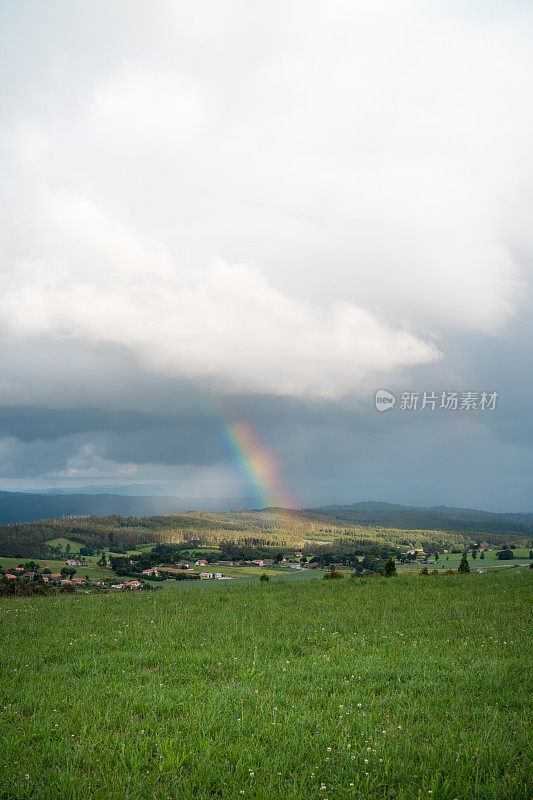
(264, 211)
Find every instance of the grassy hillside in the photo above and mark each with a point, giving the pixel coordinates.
(409, 687)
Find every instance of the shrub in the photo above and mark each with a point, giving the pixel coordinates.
(449, 572)
(434, 572)
(424, 571)
(333, 574)
(264, 577)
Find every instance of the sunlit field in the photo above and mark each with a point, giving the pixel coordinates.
(372, 688)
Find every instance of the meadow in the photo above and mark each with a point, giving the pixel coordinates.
(91, 569)
(372, 688)
(489, 561)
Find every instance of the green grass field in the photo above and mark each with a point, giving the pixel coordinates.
(409, 687)
(94, 572)
(489, 562)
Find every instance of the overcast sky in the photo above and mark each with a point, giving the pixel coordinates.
(219, 210)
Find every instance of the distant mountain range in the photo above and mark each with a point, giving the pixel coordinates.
(100, 502)
(132, 489)
(446, 518)
(30, 506)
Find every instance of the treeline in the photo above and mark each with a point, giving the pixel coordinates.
(492, 526)
(348, 553)
(133, 566)
(247, 550)
(258, 542)
(19, 587)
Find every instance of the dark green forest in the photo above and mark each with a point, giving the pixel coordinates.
(256, 529)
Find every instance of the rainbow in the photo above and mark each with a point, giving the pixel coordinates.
(257, 465)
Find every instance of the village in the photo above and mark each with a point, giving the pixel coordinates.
(147, 570)
(199, 569)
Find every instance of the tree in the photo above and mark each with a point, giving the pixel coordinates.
(390, 568)
(482, 555)
(68, 572)
(505, 555)
(531, 553)
(463, 566)
(474, 554)
(279, 558)
(103, 560)
(423, 571)
(264, 577)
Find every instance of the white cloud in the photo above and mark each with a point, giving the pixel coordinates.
(223, 325)
(369, 157)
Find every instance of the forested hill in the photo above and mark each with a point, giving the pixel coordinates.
(267, 527)
(441, 518)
